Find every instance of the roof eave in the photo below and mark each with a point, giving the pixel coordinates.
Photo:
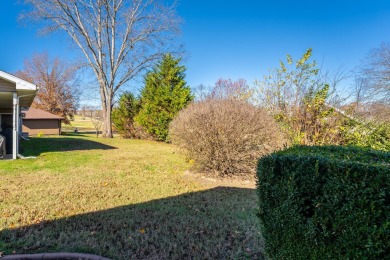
(20, 83)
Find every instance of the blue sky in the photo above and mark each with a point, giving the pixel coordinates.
(237, 39)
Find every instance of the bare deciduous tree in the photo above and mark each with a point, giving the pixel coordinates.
(372, 86)
(89, 111)
(229, 89)
(376, 73)
(119, 38)
(57, 92)
(225, 89)
(96, 120)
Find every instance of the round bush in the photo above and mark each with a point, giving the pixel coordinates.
(226, 136)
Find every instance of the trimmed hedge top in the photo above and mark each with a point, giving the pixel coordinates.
(340, 153)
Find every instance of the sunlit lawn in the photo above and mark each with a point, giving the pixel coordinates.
(121, 199)
(83, 124)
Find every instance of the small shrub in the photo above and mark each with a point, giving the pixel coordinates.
(325, 203)
(40, 134)
(226, 136)
(123, 117)
(372, 135)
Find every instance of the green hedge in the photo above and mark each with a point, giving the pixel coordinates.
(325, 203)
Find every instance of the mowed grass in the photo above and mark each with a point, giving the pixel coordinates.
(83, 124)
(123, 199)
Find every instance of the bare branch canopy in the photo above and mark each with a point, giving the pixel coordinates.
(119, 38)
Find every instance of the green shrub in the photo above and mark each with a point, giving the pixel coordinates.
(372, 135)
(123, 117)
(325, 203)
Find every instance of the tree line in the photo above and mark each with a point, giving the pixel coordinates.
(134, 37)
(164, 94)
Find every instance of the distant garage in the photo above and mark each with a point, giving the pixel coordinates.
(38, 121)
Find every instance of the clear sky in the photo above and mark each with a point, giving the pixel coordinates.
(237, 39)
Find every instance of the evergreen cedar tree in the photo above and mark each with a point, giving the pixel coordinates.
(123, 115)
(165, 93)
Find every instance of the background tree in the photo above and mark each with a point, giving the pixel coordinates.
(318, 123)
(165, 93)
(123, 115)
(94, 114)
(86, 111)
(119, 38)
(225, 89)
(201, 92)
(375, 73)
(298, 96)
(231, 89)
(372, 86)
(283, 90)
(56, 81)
(96, 120)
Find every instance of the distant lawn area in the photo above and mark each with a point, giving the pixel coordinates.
(83, 124)
(123, 199)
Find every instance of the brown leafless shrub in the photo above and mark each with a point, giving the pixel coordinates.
(136, 131)
(226, 136)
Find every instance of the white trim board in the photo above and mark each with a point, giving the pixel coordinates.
(20, 83)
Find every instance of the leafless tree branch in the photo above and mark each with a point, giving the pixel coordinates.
(119, 38)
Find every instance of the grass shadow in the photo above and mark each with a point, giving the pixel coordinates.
(81, 133)
(219, 223)
(36, 146)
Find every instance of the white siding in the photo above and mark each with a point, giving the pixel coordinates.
(6, 86)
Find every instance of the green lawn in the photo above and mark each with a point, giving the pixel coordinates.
(122, 199)
(83, 124)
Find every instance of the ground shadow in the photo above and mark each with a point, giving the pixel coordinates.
(35, 146)
(219, 223)
(81, 133)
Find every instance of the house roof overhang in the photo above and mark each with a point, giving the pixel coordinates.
(34, 114)
(26, 91)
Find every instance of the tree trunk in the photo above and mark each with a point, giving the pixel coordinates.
(107, 121)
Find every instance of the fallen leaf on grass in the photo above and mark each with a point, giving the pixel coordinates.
(12, 225)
